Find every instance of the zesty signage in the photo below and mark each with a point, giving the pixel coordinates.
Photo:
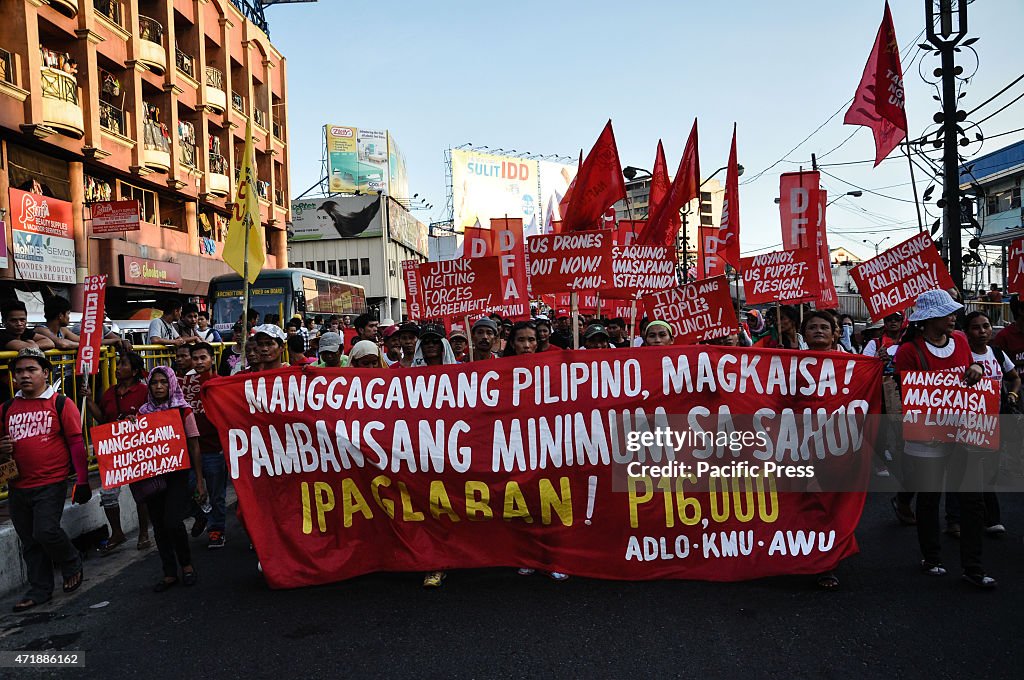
(137, 271)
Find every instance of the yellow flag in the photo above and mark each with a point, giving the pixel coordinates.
(245, 217)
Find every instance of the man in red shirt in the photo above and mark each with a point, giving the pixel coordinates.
(214, 468)
(43, 432)
(1011, 338)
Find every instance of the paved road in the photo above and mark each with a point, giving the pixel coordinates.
(886, 621)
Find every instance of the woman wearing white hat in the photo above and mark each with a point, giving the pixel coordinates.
(932, 344)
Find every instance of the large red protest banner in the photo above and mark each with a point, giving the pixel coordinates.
(890, 282)
(798, 208)
(536, 461)
(413, 300)
(91, 336)
(132, 450)
(628, 231)
(697, 311)
(641, 269)
(827, 297)
(709, 261)
(570, 261)
(509, 245)
(785, 276)
(939, 407)
(460, 287)
(1015, 267)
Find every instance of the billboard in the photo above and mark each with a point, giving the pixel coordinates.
(398, 184)
(357, 159)
(43, 237)
(406, 229)
(554, 182)
(335, 217)
(486, 186)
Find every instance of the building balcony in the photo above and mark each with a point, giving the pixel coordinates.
(185, 63)
(156, 149)
(189, 155)
(238, 103)
(216, 97)
(151, 46)
(61, 110)
(68, 8)
(217, 180)
(279, 198)
(112, 118)
(6, 67)
(111, 9)
(260, 118)
(278, 131)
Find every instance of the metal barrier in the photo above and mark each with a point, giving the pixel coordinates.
(62, 375)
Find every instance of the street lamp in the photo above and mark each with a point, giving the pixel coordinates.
(876, 244)
(854, 194)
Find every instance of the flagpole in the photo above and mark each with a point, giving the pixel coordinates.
(574, 306)
(913, 184)
(245, 298)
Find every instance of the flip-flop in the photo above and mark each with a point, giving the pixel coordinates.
(828, 581)
(144, 545)
(25, 605)
(76, 578)
(111, 546)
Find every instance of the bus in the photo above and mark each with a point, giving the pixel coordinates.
(283, 293)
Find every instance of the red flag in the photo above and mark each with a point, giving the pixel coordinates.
(709, 253)
(878, 103)
(598, 185)
(563, 205)
(659, 180)
(662, 227)
(729, 234)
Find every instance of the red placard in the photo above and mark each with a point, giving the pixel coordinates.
(132, 450)
(460, 287)
(628, 231)
(115, 216)
(91, 336)
(698, 311)
(784, 276)
(514, 462)
(939, 407)
(1015, 267)
(640, 269)
(413, 301)
(798, 201)
(709, 262)
(827, 297)
(509, 244)
(892, 281)
(571, 261)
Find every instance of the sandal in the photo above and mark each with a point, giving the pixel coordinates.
(164, 585)
(111, 546)
(828, 581)
(144, 544)
(980, 580)
(72, 583)
(25, 605)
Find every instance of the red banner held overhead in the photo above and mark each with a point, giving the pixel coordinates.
(730, 229)
(509, 244)
(891, 282)
(91, 335)
(1015, 267)
(709, 261)
(640, 269)
(784, 276)
(697, 311)
(798, 208)
(660, 182)
(597, 187)
(628, 231)
(571, 261)
(939, 407)
(460, 287)
(663, 223)
(827, 297)
(132, 450)
(538, 462)
(413, 298)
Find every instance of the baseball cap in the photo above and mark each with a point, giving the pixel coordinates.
(389, 330)
(33, 353)
(562, 314)
(330, 342)
(594, 330)
(486, 323)
(458, 333)
(273, 331)
(384, 323)
(409, 327)
(432, 330)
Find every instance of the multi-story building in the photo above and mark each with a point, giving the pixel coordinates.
(995, 179)
(145, 100)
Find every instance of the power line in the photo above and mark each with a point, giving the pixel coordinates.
(892, 198)
(1003, 108)
(1015, 81)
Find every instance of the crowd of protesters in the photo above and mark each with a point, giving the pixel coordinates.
(936, 336)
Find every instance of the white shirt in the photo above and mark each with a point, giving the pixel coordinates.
(158, 328)
(993, 369)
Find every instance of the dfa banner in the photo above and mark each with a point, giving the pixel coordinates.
(599, 463)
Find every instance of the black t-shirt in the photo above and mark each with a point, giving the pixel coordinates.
(7, 336)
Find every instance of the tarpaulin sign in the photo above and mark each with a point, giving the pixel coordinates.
(637, 270)
(87, 360)
(1015, 267)
(114, 216)
(827, 297)
(460, 287)
(698, 311)
(537, 461)
(892, 281)
(574, 261)
(785, 276)
(132, 450)
(939, 407)
(413, 303)
(798, 209)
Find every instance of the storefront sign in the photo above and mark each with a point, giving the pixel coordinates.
(137, 271)
(115, 216)
(43, 235)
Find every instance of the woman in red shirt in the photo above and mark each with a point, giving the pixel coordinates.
(119, 403)
(932, 344)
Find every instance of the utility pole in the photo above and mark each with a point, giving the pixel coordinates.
(945, 32)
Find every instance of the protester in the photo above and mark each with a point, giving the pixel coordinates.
(182, 360)
(1011, 338)
(658, 333)
(392, 346)
(57, 312)
(884, 346)
(121, 402)
(42, 432)
(543, 329)
(210, 450)
(16, 334)
(408, 333)
(562, 335)
(203, 330)
(596, 337)
(269, 346)
(188, 323)
(164, 329)
(485, 335)
(1000, 368)
(522, 339)
(819, 329)
(366, 327)
(168, 496)
(252, 358)
(366, 354)
(460, 343)
(433, 349)
(783, 333)
(297, 351)
(846, 340)
(330, 351)
(931, 344)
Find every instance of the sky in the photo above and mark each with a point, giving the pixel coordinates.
(544, 77)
